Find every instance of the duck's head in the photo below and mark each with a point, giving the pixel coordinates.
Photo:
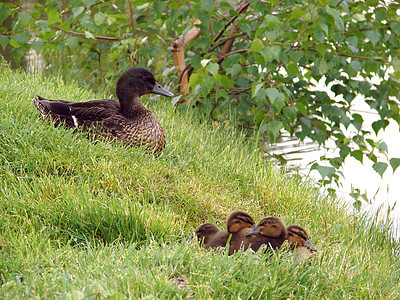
(137, 82)
(239, 220)
(206, 232)
(270, 227)
(297, 236)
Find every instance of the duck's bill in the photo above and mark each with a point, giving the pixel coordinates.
(309, 245)
(254, 230)
(158, 89)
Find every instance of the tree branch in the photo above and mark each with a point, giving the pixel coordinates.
(97, 37)
(241, 10)
(219, 60)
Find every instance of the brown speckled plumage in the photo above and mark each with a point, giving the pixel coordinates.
(126, 119)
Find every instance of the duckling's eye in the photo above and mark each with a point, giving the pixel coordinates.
(299, 234)
(266, 222)
(245, 220)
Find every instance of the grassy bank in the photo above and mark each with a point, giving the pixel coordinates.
(84, 218)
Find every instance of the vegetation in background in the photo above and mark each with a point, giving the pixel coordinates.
(85, 218)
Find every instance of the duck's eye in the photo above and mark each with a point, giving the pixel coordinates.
(299, 234)
(266, 222)
(245, 220)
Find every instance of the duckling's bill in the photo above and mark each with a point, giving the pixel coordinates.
(158, 89)
(309, 245)
(254, 230)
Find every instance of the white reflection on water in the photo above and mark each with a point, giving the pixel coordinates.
(383, 193)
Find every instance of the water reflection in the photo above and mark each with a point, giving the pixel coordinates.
(382, 193)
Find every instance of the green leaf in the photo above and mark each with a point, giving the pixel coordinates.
(76, 11)
(293, 70)
(4, 41)
(17, 53)
(89, 35)
(290, 112)
(21, 38)
(53, 16)
(359, 17)
(395, 27)
(277, 98)
(274, 128)
(272, 21)
(323, 67)
(255, 88)
(5, 11)
(72, 42)
(321, 49)
(99, 19)
(257, 45)
(328, 172)
(212, 68)
(395, 163)
(24, 18)
(89, 3)
(380, 167)
(37, 46)
(43, 24)
(336, 15)
(396, 64)
(380, 13)
(374, 36)
(357, 154)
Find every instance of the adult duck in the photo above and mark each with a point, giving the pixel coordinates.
(125, 119)
(269, 231)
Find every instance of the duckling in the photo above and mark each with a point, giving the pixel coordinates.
(238, 223)
(125, 119)
(206, 232)
(298, 237)
(270, 231)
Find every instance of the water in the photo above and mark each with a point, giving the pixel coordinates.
(382, 193)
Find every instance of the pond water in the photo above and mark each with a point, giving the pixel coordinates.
(382, 193)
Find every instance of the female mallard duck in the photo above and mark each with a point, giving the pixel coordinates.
(270, 231)
(237, 225)
(127, 119)
(206, 232)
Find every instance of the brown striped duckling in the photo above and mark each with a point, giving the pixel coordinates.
(298, 238)
(125, 119)
(206, 232)
(270, 231)
(238, 223)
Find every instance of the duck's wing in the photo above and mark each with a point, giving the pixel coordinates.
(75, 114)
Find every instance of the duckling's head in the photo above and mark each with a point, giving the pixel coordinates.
(271, 227)
(137, 82)
(206, 232)
(239, 220)
(297, 236)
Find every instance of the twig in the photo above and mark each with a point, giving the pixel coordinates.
(100, 2)
(131, 17)
(97, 37)
(243, 8)
(219, 60)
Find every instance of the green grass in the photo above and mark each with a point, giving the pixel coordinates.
(85, 218)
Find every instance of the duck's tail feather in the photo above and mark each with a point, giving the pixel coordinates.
(57, 111)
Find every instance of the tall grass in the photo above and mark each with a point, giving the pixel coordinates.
(86, 218)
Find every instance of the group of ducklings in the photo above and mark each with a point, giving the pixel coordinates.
(243, 233)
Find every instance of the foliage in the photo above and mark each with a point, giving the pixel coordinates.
(270, 78)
